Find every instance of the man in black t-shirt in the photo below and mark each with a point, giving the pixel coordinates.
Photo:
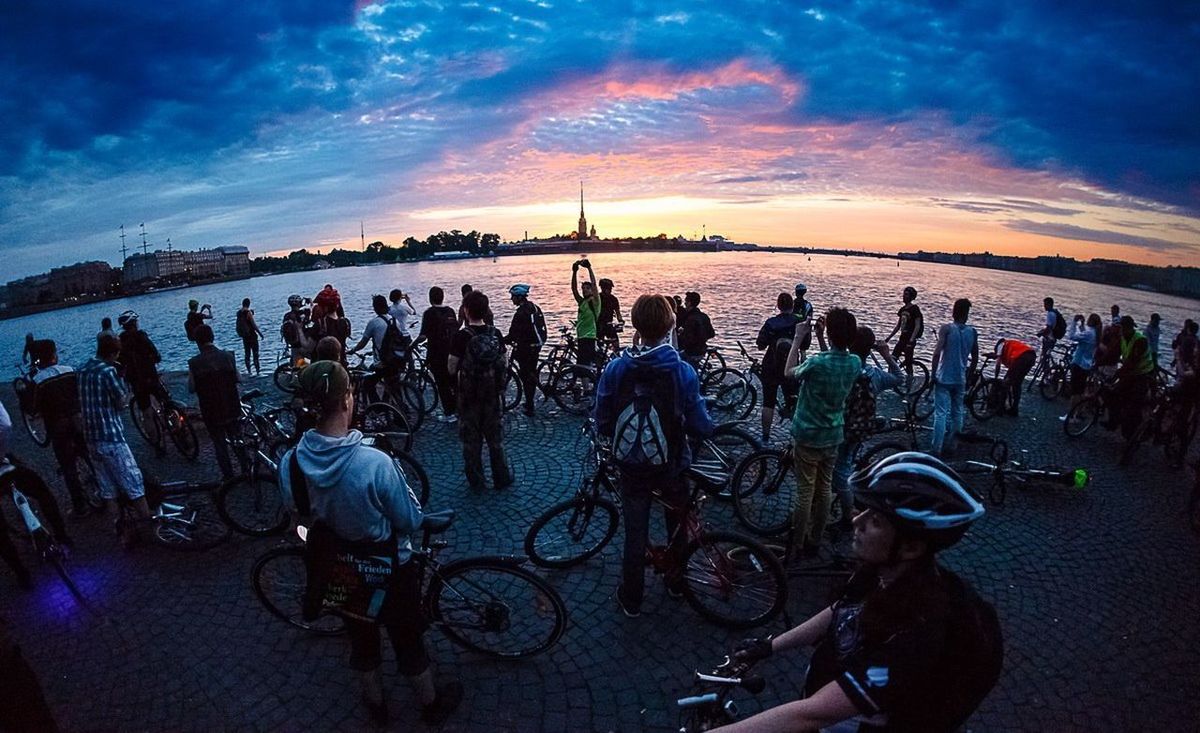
(477, 361)
(775, 337)
(910, 324)
(58, 403)
(908, 645)
(439, 323)
(695, 329)
(526, 335)
(610, 311)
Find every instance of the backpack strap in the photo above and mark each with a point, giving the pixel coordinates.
(299, 486)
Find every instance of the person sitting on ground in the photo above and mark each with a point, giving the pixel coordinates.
(526, 335)
(817, 422)
(13, 473)
(955, 358)
(102, 399)
(213, 377)
(648, 403)
(859, 420)
(57, 398)
(775, 337)
(360, 495)
(1018, 358)
(438, 326)
(196, 316)
(477, 361)
(908, 645)
(695, 329)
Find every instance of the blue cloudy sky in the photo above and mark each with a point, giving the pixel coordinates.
(1021, 127)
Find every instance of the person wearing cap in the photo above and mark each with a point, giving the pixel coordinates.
(526, 335)
(908, 645)
(360, 494)
(196, 316)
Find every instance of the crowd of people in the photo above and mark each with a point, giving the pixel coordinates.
(875, 658)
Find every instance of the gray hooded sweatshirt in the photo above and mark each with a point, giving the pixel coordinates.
(357, 490)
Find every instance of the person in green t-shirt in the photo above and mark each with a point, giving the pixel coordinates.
(824, 380)
(589, 311)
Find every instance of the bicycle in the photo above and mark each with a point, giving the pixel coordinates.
(988, 396)
(1170, 421)
(1002, 470)
(171, 419)
(916, 374)
(478, 602)
(1088, 411)
(710, 706)
(26, 391)
(178, 521)
(728, 578)
(377, 406)
(48, 549)
(1053, 377)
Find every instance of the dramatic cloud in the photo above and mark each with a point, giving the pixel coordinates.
(283, 123)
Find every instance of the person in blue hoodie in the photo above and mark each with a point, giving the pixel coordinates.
(360, 493)
(653, 319)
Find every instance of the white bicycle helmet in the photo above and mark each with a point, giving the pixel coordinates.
(921, 495)
(127, 317)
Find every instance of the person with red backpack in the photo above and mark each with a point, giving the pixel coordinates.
(907, 645)
(477, 360)
(439, 323)
(648, 402)
(860, 413)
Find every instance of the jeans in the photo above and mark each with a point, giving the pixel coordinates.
(250, 349)
(221, 433)
(814, 484)
(947, 415)
(636, 499)
(479, 423)
(842, 469)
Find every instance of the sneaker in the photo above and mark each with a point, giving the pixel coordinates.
(627, 609)
(448, 696)
(674, 587)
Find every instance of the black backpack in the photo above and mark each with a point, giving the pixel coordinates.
(393, 349)
(442, 331)
(482, 369)
(1060, 326)
(243, 324)
(648, 435)
(860, 410)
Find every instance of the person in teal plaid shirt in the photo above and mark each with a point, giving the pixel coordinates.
(825, 381)
(102, 397)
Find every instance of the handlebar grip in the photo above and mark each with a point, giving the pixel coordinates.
(696, 701)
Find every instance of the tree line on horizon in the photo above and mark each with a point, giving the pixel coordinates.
(472, 242)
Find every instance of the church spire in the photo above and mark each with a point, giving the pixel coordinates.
(583, 228)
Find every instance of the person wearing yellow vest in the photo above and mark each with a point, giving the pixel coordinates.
(1133, 379)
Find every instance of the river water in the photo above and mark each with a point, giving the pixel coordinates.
(738, 292)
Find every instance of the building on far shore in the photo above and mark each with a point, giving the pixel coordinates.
(201, 264)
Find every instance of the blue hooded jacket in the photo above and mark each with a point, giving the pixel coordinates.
(663, 358)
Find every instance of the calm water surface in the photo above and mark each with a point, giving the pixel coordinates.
(738, 291)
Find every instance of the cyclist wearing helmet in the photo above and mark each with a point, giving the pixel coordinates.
(526, 335)
(908, 645)
(140, 360)
(910, 324)
(292, 329)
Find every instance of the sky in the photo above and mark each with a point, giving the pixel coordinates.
(1013, 127)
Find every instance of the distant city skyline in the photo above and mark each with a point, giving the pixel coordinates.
(1021, 129)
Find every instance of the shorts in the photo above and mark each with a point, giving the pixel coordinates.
(1079, 379)
(587, 352)
(117, 471)
(771, 389)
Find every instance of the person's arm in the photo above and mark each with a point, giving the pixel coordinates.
(254, 325)
(396, 500)
(361, 342)
(820, 329)
(452, 365)
(937, 351)
(899, 324)
(606, 388)
(806, 634)
(617, 310)
(575, 282)
(696, 420)
(974, 352)
(894, 375)
(826, 706)
(803, 329)
(457, 352)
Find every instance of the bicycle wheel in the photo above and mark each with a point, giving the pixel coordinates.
(422, 380)
(513, 390)
(87, 480)
(252, 504)
(1139, 436)
(983, 399)
(922, 403)
(382, 417)
(36, 427)
(152, 430)
(763, 492)
(732, 580)
(731, 395)
(279, 579)
(182, 433)
(286, 378)
(188, 524)
(571, 532)
(407, 399)
(914, 385)
(492, 606)
(1052, 384)
(1082, 417)
(573, 390)
(723, 451)
(414, 474)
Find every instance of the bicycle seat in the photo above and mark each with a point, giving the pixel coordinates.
(437, 522)
(252, 395)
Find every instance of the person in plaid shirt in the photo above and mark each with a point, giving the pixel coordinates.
(102, 396)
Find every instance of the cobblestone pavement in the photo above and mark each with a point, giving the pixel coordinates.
(1098, 592)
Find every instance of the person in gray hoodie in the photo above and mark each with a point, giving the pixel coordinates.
(361, 495)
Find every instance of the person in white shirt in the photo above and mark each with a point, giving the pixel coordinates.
(402, 310)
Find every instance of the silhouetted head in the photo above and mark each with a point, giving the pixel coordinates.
(962, 310)
(785, 303)
(841, 326)
(379, 304)
(864, 341)
(476, 304)
(436, 295)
